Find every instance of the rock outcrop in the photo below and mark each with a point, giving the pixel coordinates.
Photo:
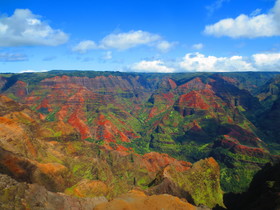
(205, 172)
(20, 195)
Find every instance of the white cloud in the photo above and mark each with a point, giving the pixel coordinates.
(198, 46)
(12, 57)
(85, 46)
(32, 71)
(200, 62)
(164, 46)
(267, 61)
(124, 41)
(24, 28)
(259, 25)
(257, 62)
(151, 66)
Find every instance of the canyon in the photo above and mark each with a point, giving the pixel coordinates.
(88, 139)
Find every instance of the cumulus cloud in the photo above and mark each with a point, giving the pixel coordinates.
(12, 57)
(151, 66)
(198, 46)
(257, 62)
(256, 25)
(199, 62)
(124, 41)
(267, 61)
(24, 28)
(85, 46)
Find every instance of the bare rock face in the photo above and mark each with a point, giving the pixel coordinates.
(51, 175)
(138, 200)
(16, 195)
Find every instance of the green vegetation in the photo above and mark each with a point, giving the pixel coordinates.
(209, 192)
(51, 116)
(146, 110)
(237, 168)
(12, 96)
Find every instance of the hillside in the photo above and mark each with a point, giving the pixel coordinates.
(113, 131)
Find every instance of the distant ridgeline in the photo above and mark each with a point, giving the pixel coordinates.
(232, 117)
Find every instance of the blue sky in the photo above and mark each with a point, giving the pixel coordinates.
(140, 35)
